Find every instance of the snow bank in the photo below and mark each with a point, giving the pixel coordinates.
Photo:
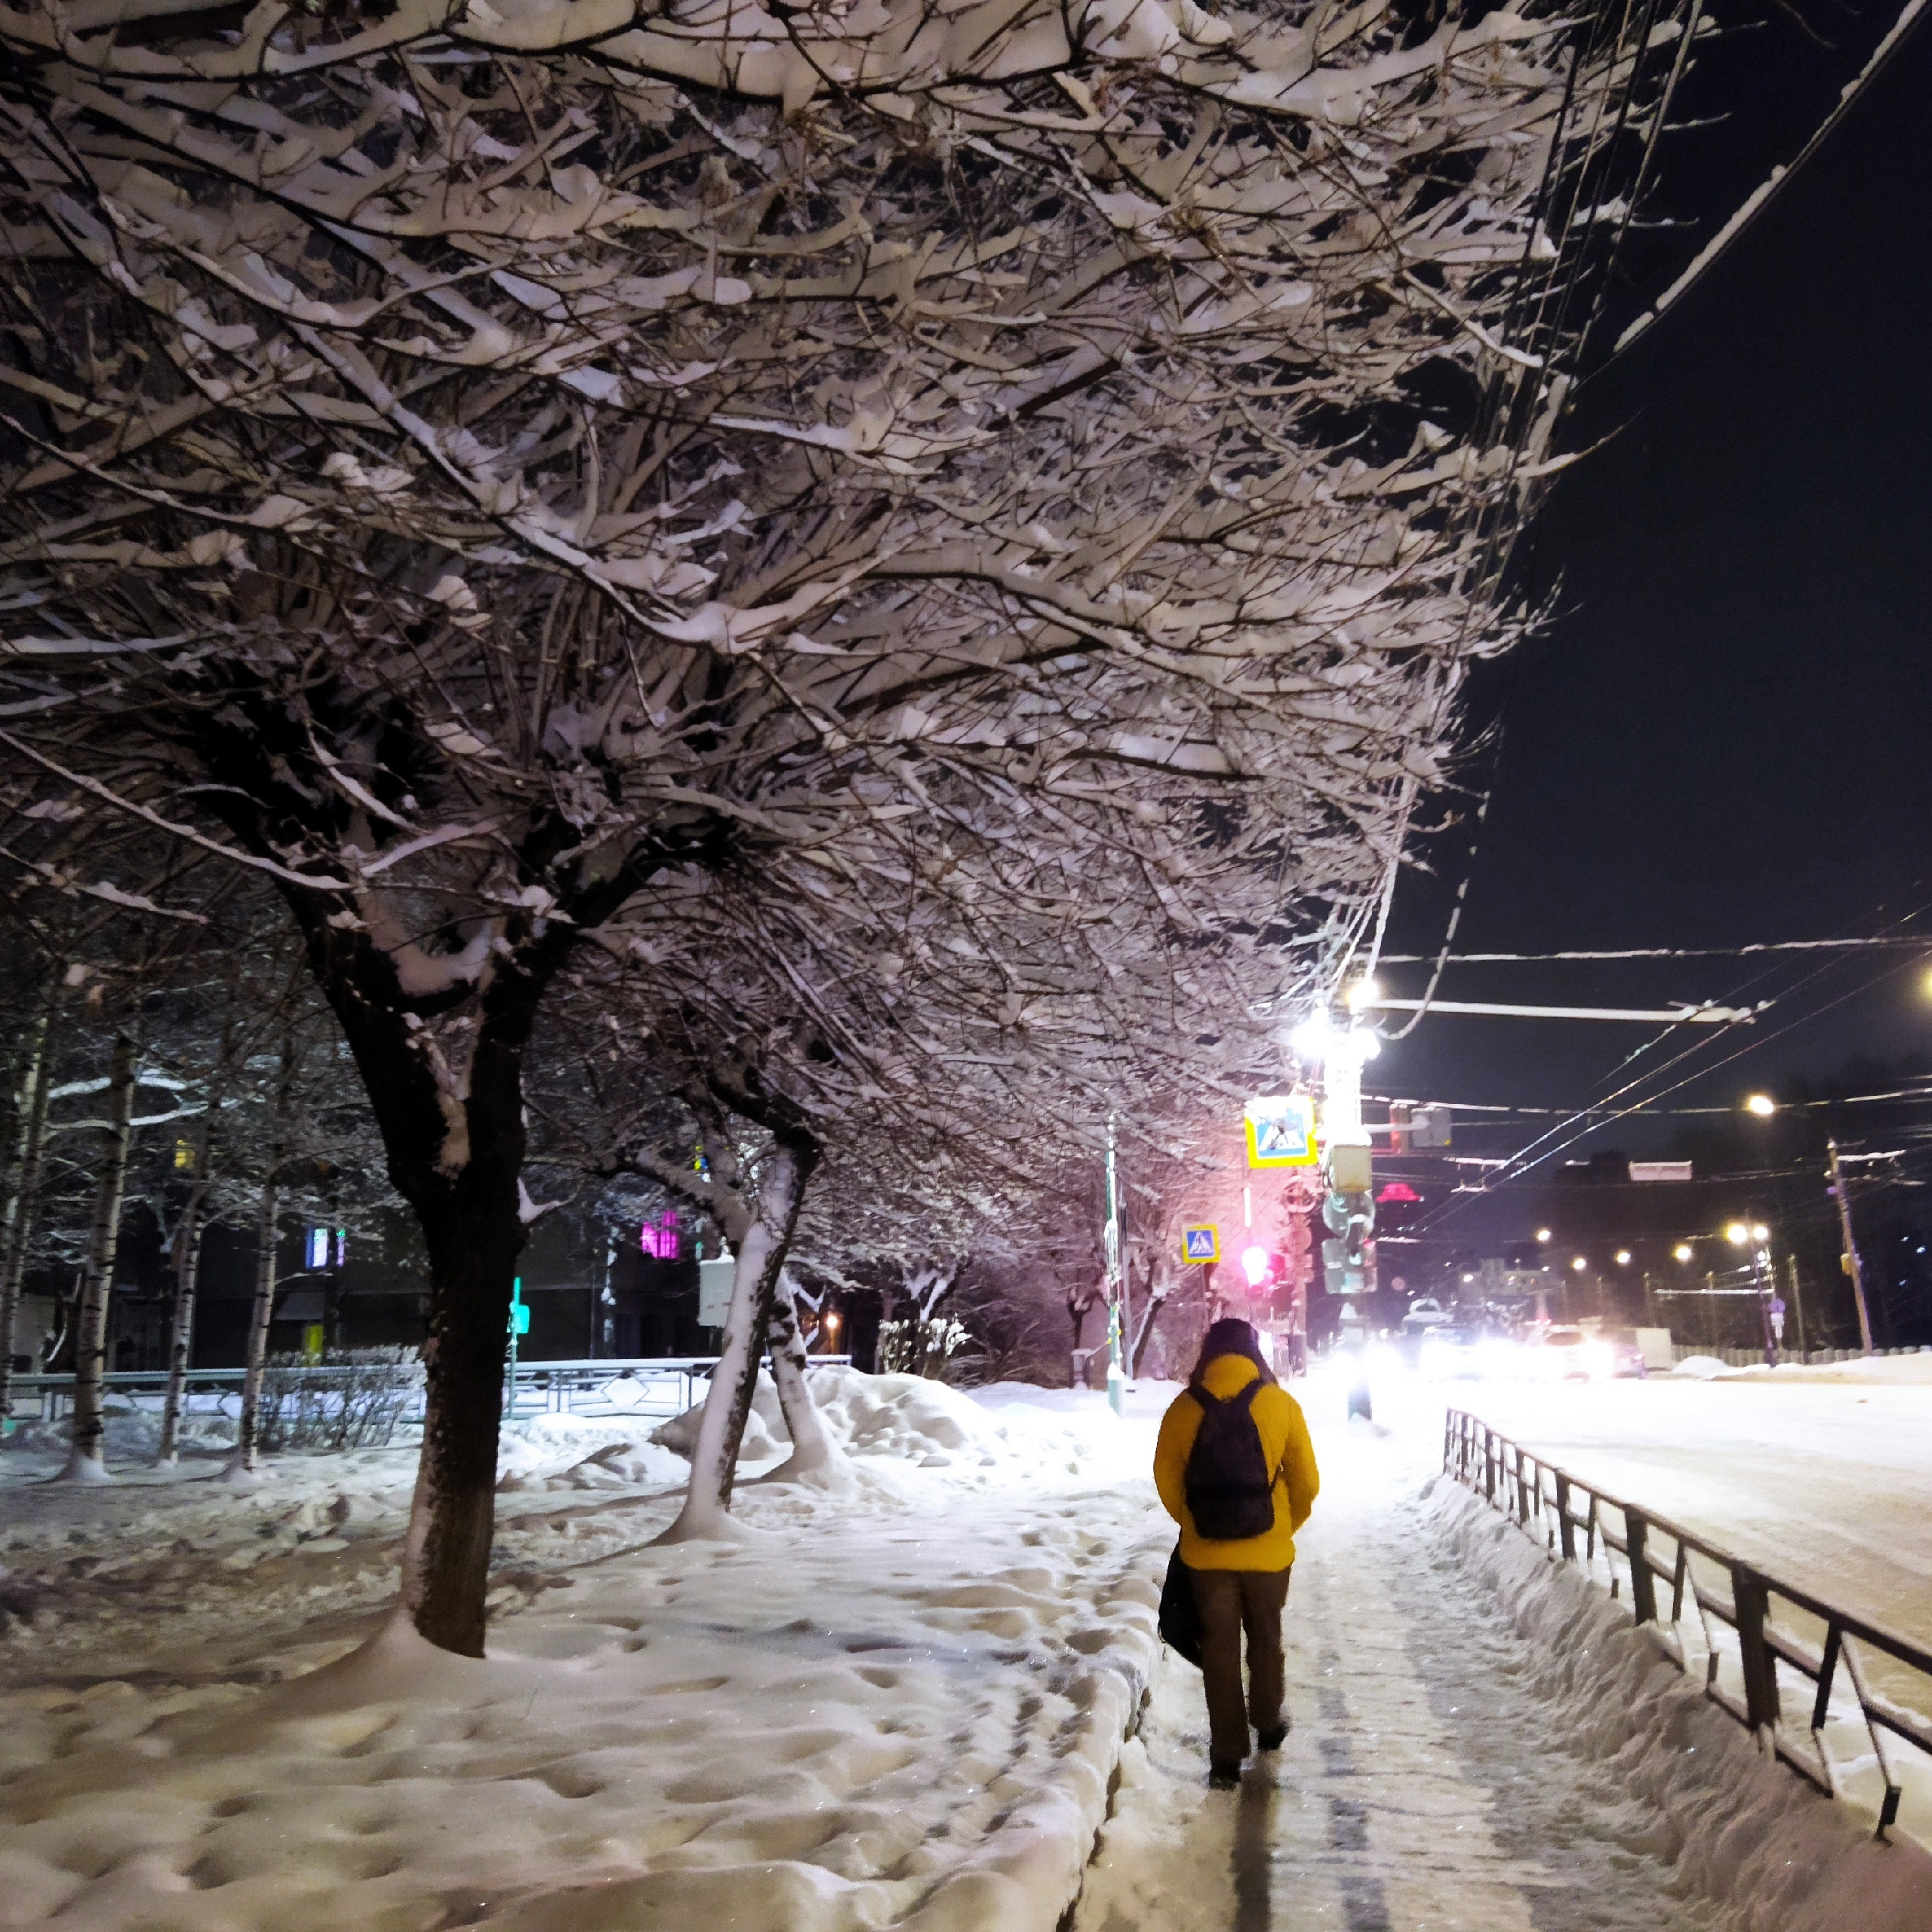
(858, 1719)
(565, 1451)
(911, 1420)
(1752, 1836)
(1912, 1371)
(133, 1436)
(1701, 1368)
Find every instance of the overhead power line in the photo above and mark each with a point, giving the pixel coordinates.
(1652, 953)
(1658, 1016)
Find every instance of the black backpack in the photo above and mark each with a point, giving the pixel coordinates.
(1230, 1488)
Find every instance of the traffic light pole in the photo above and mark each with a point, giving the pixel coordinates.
(1851, 1263)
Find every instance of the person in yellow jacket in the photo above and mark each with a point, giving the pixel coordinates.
(1243, 1582)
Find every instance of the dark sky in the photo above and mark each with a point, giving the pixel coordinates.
(1725, 735)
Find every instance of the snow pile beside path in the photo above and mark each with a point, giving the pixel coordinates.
(1701, 1368)
(133, 1435)
(1752, 1837)
(1913, 1371)
(580, 1452)
(911, 1420)
(844, 1724)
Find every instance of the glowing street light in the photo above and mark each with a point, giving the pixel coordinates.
(1363, 992)
(1683, 1251)
(1543, 1234)
(1623, 1258)
(1740, 1232)
(1254, 1264)
(1580, 1264)
(1762, 1105)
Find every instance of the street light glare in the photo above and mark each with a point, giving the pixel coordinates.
(1759, 1232)
(1623, 1258)
(1737, 1233)
(1682, 1251)
(1310, 1039)
(1579, 1262)
(1543, 1234)
(1363, 992)
(1762, 1105)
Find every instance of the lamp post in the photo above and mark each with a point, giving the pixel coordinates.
(1758, 1238)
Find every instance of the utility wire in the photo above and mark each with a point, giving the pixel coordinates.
(1657, 952)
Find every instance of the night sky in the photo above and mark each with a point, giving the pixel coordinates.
(1723, 735)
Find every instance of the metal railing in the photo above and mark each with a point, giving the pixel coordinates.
(651, 1384)
(1732, 1596)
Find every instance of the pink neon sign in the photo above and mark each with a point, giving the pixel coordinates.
(660, 1242)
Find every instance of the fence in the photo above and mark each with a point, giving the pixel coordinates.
(658, 1385)
(1743, 1616)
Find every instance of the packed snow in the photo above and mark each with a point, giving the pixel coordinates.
(917, 1691)
(1823, 1477)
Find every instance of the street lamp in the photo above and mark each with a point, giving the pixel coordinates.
(1682, 1251)
(1623, 1258)
(831, 1325)
(1543, 1234)
(1762, 1105)
(1580, 1264)
(1771, 1311)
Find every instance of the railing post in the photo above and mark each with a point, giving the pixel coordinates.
(1827, 1669)
(1752, 1596)
(1643, 1583)
(1566, 1530)
(1522, 1494)
(1489, 1464)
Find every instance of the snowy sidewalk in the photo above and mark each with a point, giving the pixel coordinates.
(1416, 1790)
(1453, 1769)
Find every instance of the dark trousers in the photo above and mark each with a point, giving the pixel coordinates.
(1230, 1602)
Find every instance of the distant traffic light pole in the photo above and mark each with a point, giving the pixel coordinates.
(1851, 1263)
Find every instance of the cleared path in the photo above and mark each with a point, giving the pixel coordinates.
(1416, 1792)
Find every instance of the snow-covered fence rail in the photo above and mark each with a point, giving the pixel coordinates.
(1747, 1623)
(604, 1386)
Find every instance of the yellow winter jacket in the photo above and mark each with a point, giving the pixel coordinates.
(1284, 1442)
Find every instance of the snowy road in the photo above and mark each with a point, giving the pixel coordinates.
(1829, 1485)
(1418, 1790)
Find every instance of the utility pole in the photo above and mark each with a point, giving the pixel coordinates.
(1797, 1304)
(1849, 1261)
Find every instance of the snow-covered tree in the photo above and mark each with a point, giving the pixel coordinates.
(477, 469)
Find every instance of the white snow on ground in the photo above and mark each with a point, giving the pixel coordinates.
(1480, 1743)
(1827, 1483)
(898, 1703)
(898, 1700)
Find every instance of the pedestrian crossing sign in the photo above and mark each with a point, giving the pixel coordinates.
(1281, 1131)
(1201, 1244)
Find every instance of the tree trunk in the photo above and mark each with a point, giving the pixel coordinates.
(243, 1465)
(84, 1462)
(181, 1329)
(25, 1197)
(473, 1252)
(1156, 1303)
(727, 1403)
(812, 1448)
(1076, 1313)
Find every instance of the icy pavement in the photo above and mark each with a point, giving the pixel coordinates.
(1479, 1743)
(1416, 1789)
